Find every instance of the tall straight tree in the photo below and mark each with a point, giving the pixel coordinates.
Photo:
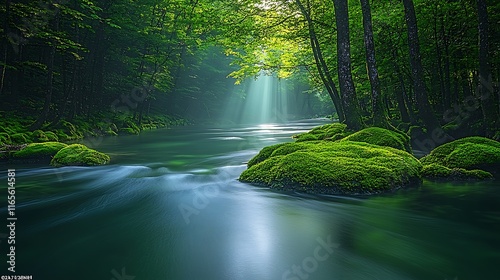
(379, 115)
(490, 114)
(417, 72)
(323, 69)
(347, 89)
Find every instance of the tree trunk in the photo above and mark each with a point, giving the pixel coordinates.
(379, 115)
(321, 65)
(50, 83)
(490, 114)
(424, 108)
(347, 90)
(5, 44)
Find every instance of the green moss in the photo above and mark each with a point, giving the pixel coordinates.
(39, 151)
(77, 154)
(468, 153)
(437, 171)
(497, 136)
(20, 138)
(332, 131)
(129, 131)
(70, 132)
(382, 137)
(345, 167)
(51, 136)
(39, 136)
(5, 139)
(264, 154)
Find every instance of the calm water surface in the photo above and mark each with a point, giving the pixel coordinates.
(169, 206)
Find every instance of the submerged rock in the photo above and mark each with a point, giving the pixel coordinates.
(342, 167)
(77, 154)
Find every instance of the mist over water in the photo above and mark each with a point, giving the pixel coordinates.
(266, 100)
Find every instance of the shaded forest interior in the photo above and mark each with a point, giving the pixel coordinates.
(428, 68)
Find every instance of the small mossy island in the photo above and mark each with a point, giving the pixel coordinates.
(39, 151)
(467, 158)
(58, 154)
(336, 167)
(77, 154)
(330, 159)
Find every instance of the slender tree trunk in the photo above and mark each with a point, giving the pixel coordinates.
(379, 115)
(322, 67)
(347, 90)
(487, 96)
(50, 83)
(5, 44)
(424, 108)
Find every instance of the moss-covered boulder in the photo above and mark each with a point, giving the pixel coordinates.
(39, 151)
(77, 154)
(467, 153)
(344, 167)
(436, 171)
(381, 137)
(334, 131)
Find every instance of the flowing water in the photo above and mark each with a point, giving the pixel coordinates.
(169, 206)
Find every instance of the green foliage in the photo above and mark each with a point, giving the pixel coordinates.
(5, 139)
(344, 167)
(128, 130)
(440, 172)
(39, 136)
(39, 151)
(77, 154)
(382, 137)
(20, 138)
(51, 136)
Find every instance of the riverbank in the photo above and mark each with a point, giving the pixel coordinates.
(15, 133)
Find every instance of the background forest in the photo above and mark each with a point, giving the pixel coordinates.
(429, 68)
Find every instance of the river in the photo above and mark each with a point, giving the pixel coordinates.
(169, 206)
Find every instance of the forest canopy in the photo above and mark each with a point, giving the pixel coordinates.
(427, 67)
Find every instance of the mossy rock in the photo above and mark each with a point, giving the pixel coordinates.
(382, 137)
(467, 153)
(436, 171)
(334, 131)
(77, 154)
(20, 138)
(39, 151)
(344, 167)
